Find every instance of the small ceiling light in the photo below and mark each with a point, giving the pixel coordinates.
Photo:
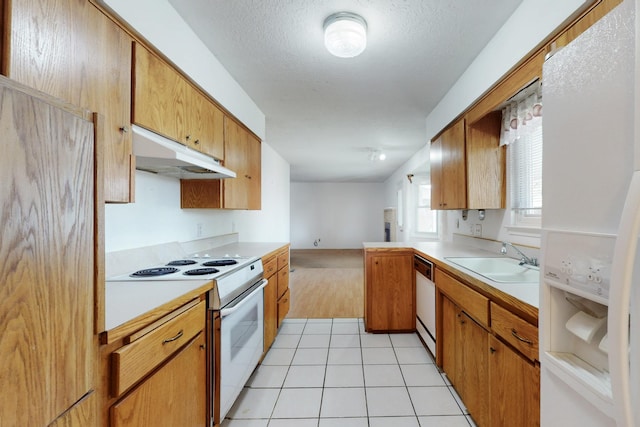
(345, 34)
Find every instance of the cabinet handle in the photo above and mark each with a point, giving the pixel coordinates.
(202, 346)
(188, 137)
(519, 338)
(124, 129)
(178, 335)
(197, 141)
(492, 350)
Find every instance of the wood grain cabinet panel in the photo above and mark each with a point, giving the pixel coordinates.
(48, 203)
(166, 103)
(514, 394)
(276, 294)
(133, 361)
(448, 169)
(175, 395)
(71, 50)
(389, 291)
(486, 164)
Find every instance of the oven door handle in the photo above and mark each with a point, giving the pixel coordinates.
(227, 311)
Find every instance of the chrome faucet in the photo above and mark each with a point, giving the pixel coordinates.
(524, 260)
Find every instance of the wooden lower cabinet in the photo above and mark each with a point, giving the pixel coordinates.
(464, 364)
(496, 375)
(514, 391)
(270, 311)
(157, 374)
(389, 291)
(175, 395)
(276, 293)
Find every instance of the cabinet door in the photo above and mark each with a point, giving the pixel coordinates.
(435, 155)
(514, 389)
(270, 311)
(70, 50)
(454, 175)
(448, 339)
(236, 158)
(160, 95)
(486, 176)
(448, 169)
(390, 292)
(175, 395)
(254, 172)
(47, 275)
(473, 370)
(205, 125)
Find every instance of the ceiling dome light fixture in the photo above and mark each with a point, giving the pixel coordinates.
(345, 34)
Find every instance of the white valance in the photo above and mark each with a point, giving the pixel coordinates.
(522, 114)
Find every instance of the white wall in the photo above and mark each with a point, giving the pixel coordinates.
(341, 215)
(531, 23)
(156, 216)
(159, 23)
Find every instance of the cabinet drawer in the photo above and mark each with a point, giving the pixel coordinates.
(270, 266)
(283, 307)
(283, 281)
(283, 259)
(520, 334)
(133, 361)
(473, 303)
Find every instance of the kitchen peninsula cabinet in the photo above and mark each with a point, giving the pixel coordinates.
(71, 50)
(166, 103)
(50, 201)
(390, 290)
(448, 169)
(276, 293)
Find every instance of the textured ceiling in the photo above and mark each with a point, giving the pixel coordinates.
(325, 114)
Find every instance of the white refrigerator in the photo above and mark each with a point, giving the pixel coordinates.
(591, 221)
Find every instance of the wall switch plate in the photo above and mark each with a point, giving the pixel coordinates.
(477, 230)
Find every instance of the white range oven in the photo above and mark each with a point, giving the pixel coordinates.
(235, 331)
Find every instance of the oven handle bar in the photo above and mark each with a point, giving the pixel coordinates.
(227, 311)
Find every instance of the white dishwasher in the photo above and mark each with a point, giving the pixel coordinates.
(425, 302)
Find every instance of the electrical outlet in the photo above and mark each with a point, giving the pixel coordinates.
(477, 230)
(199, 229)
(471, 229)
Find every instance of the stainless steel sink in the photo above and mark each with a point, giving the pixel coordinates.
(503, 270)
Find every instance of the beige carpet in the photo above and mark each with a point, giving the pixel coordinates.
(326, 283)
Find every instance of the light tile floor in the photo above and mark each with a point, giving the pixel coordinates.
(330, 373)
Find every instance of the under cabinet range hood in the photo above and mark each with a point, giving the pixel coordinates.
(157, 154)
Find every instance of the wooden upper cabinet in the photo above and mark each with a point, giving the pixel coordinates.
(243, 156)
(448, 169)
(159, 95)
(486, 164)
(166, 103)
(71, 50)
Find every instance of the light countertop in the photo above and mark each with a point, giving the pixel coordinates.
(138, 302)
(437, 252)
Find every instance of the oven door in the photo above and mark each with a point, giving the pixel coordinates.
(241, 343)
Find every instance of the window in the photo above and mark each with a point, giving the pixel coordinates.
(522, 132)
(426, 220)
(525, 179)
